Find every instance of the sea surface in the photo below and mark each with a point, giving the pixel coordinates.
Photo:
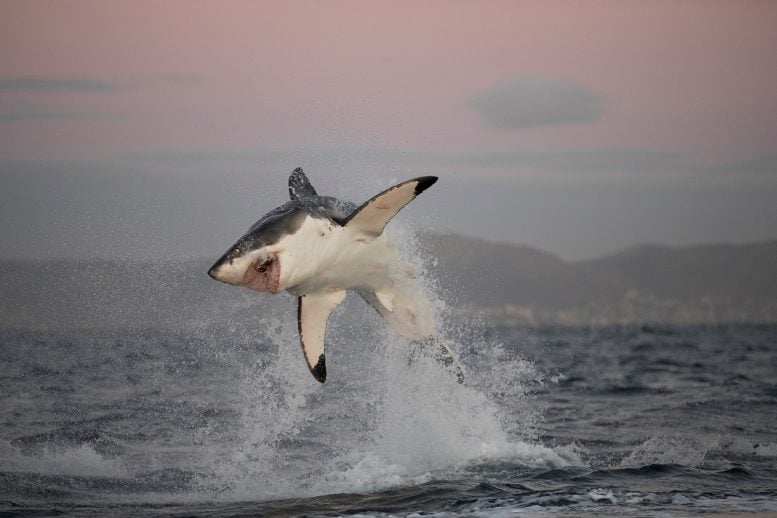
(225, 420)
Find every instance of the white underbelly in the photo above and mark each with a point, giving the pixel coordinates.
(323, 257)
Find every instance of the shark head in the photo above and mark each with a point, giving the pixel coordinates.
(256, 261)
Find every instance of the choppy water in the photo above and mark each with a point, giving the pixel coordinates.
(228, 421)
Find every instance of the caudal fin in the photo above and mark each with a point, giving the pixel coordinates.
(436, 348)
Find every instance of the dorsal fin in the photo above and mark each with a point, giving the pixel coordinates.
(299, 185)
(371, 218)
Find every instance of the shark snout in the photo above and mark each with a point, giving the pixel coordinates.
(224, 271)
(216, 274)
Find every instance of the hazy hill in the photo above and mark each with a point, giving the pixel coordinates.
(513, 284)
(736, 271)
(485, 273)
(695, 284)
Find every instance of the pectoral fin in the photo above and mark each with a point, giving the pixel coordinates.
(371, 218)
(312, 315)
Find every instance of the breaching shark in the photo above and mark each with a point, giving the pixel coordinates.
(317, 247)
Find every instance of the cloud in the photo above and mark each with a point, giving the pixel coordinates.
(528, 101)
(56, 84)
(35, 87)
(578, 161)
(49, 84)
(764, 164)
(617, 160)
(25, 111)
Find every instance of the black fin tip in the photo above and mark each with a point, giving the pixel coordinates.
(424, 183)
(319, 371)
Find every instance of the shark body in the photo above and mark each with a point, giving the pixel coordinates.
(317, 247)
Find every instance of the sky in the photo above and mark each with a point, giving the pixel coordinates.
(140, 129)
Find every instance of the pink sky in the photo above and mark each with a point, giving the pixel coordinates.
(663, 99)
(693, 77)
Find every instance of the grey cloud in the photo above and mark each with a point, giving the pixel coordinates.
(13, 110)
(19, 112)
(26, 111)
(577, 161)
(43, 84)
(631, 161)
(57, 84)
(172, 79)
(23, 111)
(562, 161)
(764, 164)
(527, 101)
(279, 157)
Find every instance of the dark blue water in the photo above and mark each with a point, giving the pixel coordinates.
(226, 420)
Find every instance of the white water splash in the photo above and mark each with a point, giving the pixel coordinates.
(380, 420)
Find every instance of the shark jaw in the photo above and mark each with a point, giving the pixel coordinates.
(258, 270)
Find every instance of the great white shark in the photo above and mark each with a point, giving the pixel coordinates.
(317, 247)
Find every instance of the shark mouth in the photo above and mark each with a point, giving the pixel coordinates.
(264, 274)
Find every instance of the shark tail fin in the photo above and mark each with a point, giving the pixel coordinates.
(403, 310)
(436, 348)
(371, 217)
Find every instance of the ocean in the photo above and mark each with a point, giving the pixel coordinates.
(223, 418)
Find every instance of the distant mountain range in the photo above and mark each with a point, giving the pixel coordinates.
(514, 285)
(695, 284)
